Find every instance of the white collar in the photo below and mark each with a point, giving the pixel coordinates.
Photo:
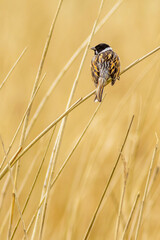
(106, 49)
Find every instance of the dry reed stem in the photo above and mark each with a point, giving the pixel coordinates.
(33, 184)
(36, 82)
(20, 124)
(75, 146)
(7, 180)
(11, 217)
(3, 192)
(13, 67)
(42, 194)
(141, 59)
(76, 104)
(45, 184)
(85, 170)
(45, 50)
(15, 200)
(66, 161)
(135, 220)
(68, 64)
(146, 190)
(4, 220)
(130, 216)
(14, 197)
(55, 152)
(33, 218)
(25, 178)
(4, 150)
(133, 225)
(108, 183)
(122, 197)
(44, 190)
(13, 160)
(156, 194)
(155, 175)
(77, 193)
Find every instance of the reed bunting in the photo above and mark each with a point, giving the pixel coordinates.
(105, 68)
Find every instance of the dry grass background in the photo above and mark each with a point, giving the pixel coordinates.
(133, 30)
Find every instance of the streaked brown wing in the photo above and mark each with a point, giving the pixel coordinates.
(110, 61)
(117, 67)
(95, 69)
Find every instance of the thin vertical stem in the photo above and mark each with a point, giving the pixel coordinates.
(130, 216)
(107, 184)
(146, 191)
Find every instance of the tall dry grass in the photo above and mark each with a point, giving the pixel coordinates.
(71, 168)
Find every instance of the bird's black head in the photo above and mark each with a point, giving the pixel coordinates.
(99, 48)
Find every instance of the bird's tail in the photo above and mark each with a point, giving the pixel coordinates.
(99, 90)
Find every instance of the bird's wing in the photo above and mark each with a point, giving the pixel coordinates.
(95, 69)
(109, 65)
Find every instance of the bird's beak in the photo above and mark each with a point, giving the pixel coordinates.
(93, 48)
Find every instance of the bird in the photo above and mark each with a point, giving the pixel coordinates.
(105, 68)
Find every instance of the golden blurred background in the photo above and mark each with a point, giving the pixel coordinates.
(133, 30)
